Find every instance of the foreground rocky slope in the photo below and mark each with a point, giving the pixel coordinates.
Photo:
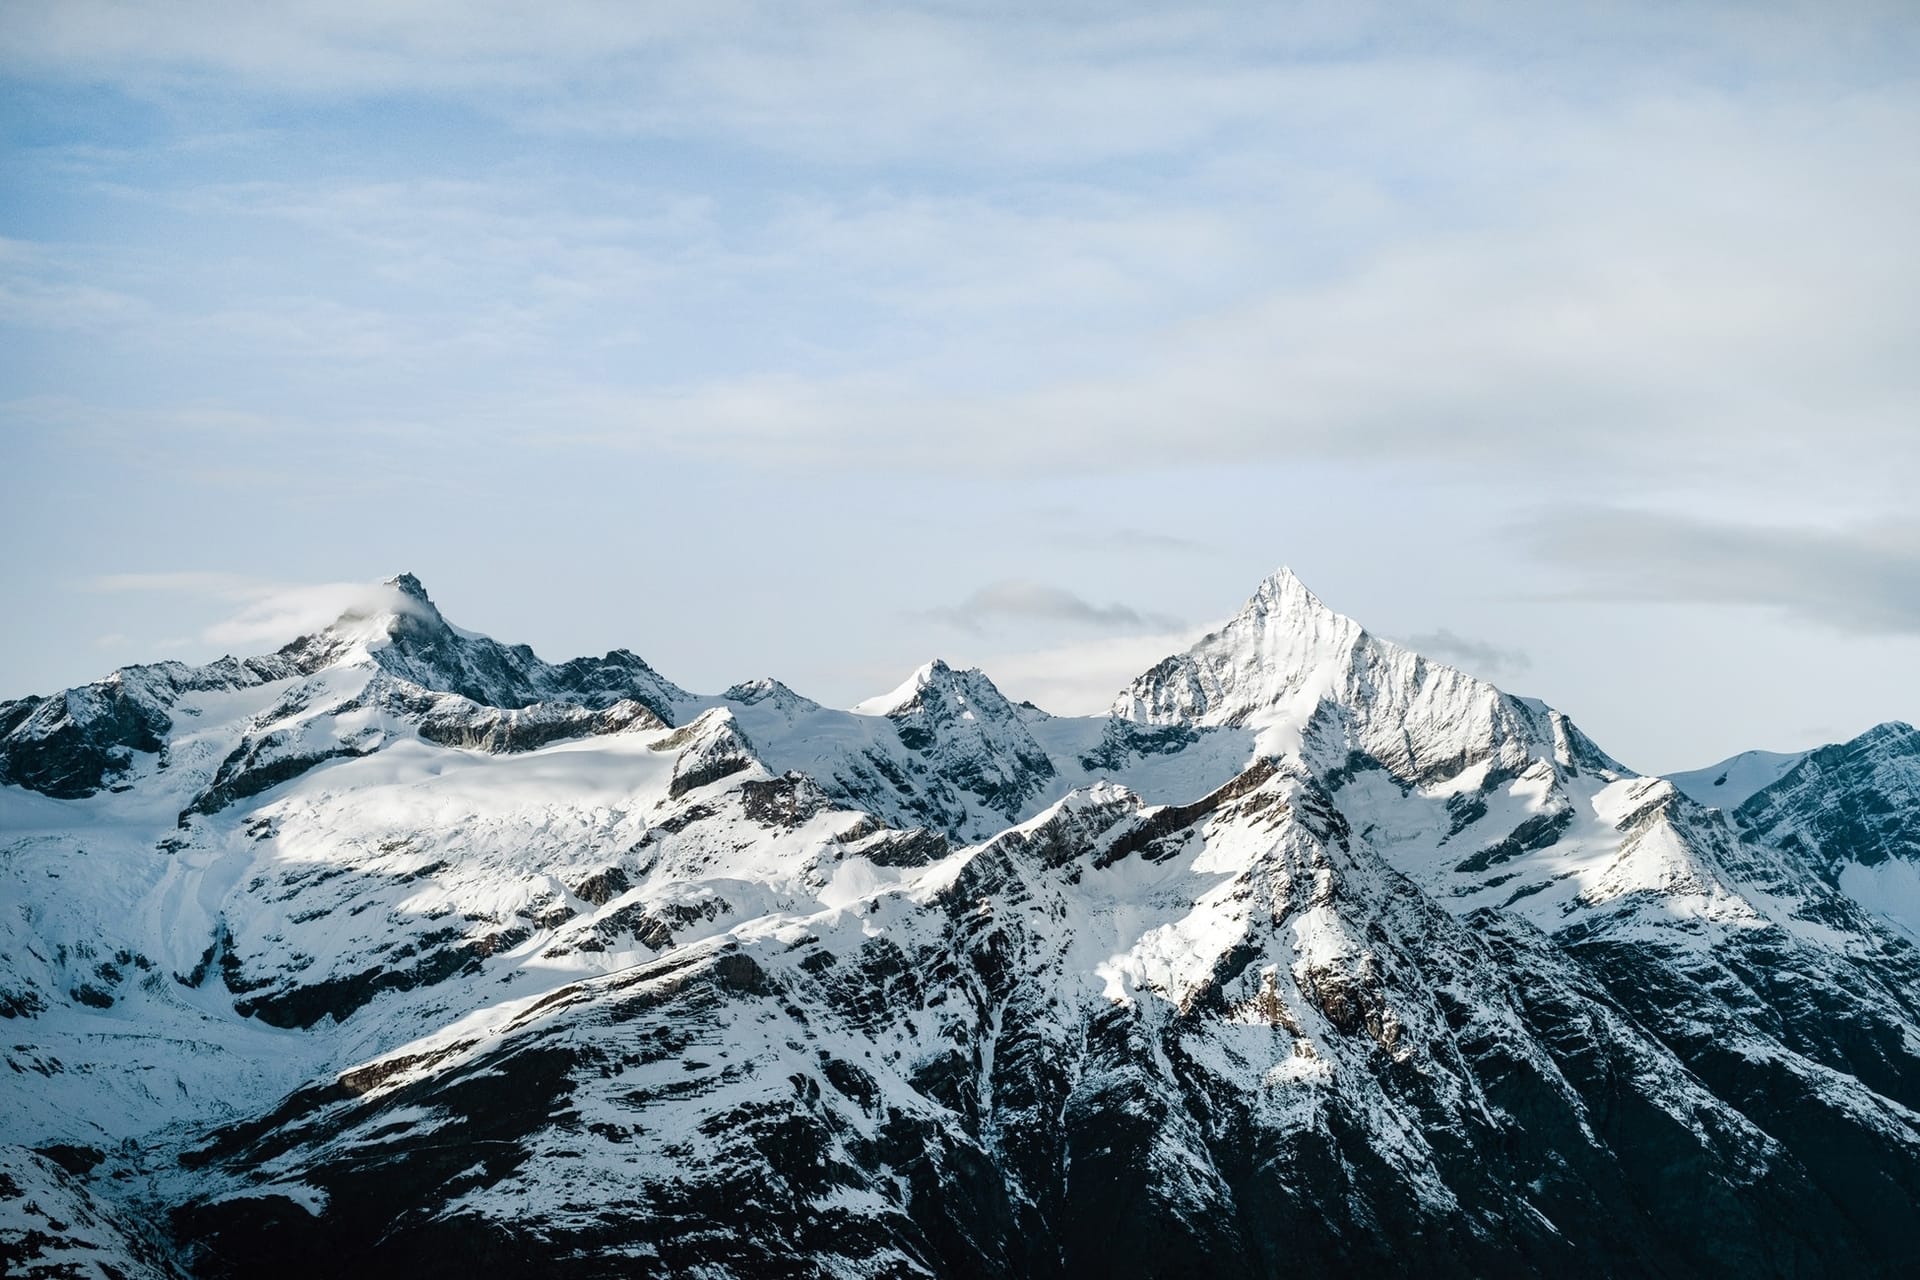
(403, 951)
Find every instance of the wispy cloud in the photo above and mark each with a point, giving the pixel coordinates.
(1520, 346)
(1023, 601)
(1477, 656)
(1863, 579)
(193, 582)
(1700, 265)
(853, 79)
(262, 613)
(1083, 678)
(1216, 274)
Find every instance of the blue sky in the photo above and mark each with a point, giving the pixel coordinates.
(816, 340)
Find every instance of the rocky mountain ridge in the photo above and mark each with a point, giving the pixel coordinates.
(403, 951)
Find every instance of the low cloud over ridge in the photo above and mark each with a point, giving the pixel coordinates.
(1022, 600)
(1477, 656)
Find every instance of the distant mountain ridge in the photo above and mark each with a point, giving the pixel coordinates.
(403, 951)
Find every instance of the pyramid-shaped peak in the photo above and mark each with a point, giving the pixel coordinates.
(1282, 592)
(396, 609)
(1283, 640)
(935, 676)
(410, 586)
(901, 694)
(1290, 669)
(1283, 621)
(365, 617)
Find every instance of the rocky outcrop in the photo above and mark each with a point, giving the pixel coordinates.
(52, 1224)
(496, 730)
(1317, 956)
(710, 748)
(503, 698)
(1852, 802)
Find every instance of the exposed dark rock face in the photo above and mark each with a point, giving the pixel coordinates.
(975, 738)
(1543, 1125)
(72, 745)
(711, 748)
(1856, 801)
(1316, 957)
(260, 764)
(603, 886)
(783, 802)
(76, 743)
(53, 1225)
(422, 649)
(496, 730)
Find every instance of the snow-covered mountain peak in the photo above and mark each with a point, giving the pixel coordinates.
(410, 586)
(771, 692)
(1893, 735)
(1310, 681)
(1848, 809)
(389, 665)
(400, 630)
(1283, 596)
(397, 610)
(903, 693)
(1323, 951)
(935, 681)
(955, 728)
(1284, 642)
(1729, 784)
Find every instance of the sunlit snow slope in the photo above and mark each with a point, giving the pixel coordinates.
(402, 951)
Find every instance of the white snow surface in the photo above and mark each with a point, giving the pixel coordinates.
(1289, 792)
(1729, 784)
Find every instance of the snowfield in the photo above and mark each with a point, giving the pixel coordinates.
(403, 951)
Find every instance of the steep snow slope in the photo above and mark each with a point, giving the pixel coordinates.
(1727, 785)
(1116, 1039)
(52, 1226)
(318, 835)
(1850, 802)
(1851, 813)
(947, 750)
(403, 950)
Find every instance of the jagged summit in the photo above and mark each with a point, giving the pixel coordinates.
(1307, 679)
(959, 725)
(1283, 639)
(389, 657)
(395, 611)
(904, 692)
(1282, 628)
(931, 681)
(1849, 804)
(769, 690)
(1282, 593)
(411, 586)
(1324, 952)
(400, 630)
